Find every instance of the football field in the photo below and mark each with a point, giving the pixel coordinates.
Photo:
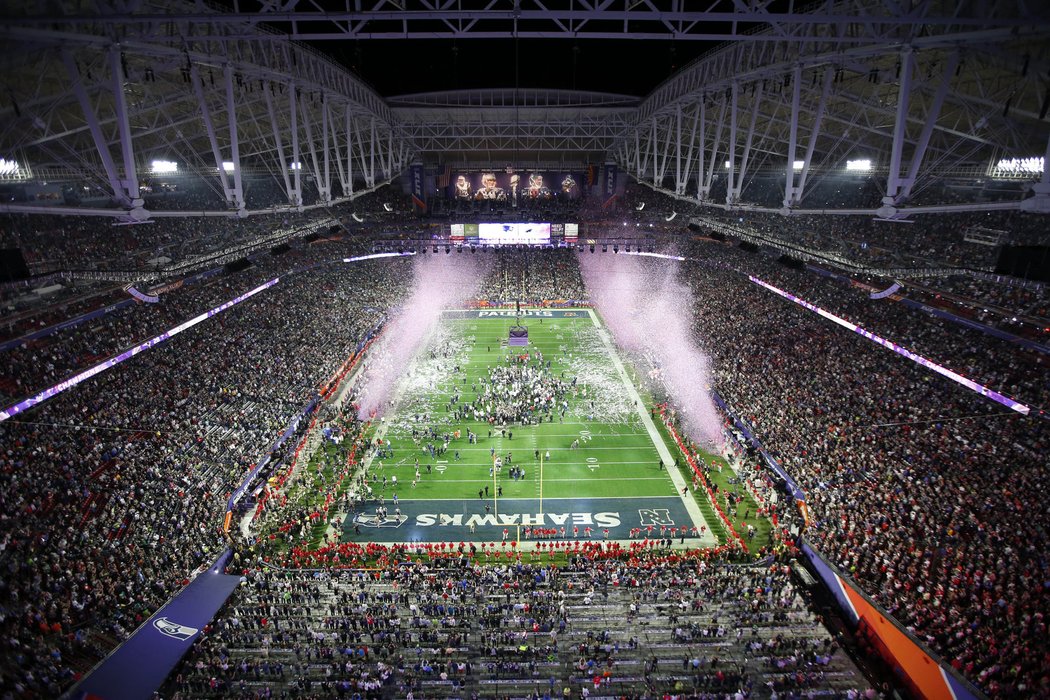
(562, 444)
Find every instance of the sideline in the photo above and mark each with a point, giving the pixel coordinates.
(707, 539)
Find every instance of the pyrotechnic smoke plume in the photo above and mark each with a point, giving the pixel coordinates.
(648, 311)
(438, 282)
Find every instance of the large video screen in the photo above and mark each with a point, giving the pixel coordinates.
(513, 187)
(512, 234)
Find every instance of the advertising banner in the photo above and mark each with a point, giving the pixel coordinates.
(418, 198)
(515, 188)
(608, 184)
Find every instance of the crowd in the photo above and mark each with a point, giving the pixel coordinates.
(453, 627)
(113, 493)
(55, 242)
(927, 241)
(534, 276)
(927, 494)
(51, 242)
(518, 392)
(1014, 370)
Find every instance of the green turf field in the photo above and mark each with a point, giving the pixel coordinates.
(612, 481)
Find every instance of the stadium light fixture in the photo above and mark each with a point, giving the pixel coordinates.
(798, 165)
(1025, 166)
(227, 166)
(296, 166)
(859, 166)
(10, 167)
(160, 167)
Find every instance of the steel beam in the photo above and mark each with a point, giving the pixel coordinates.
(130, 182)
(908, 182)
(282, 161)
(818, 118)
(112, 176)
(735, 96)
(234, 195)
(900, 124)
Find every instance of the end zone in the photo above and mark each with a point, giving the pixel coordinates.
(561, 519)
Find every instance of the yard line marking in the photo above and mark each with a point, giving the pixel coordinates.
(691, 506)
(527, 498)
(588, 479)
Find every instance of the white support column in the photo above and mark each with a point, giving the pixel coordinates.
(370, 176)
(130, 183)
(234, 196)
(789, 168)
(668, 147)
(77, 81)
(297, 163)
(326, 193)
(638, 154)
(732, 143)
(680, 183)
(702, 146)
(755, 104)
(361, 152)
(652, 150)
(678, 186)
(900, 126)
(908, 182)
(279, 143)
(705, 191)
(349, 154)
(390, 155)
(209, 126)
(340, 166)
(818, 118)
(315, 164)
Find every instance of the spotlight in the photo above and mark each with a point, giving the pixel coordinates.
(473, 250)
(592, 250)
(448, 249)
(459, 249)
(400, 250)
(625, 224)
(616, 248)
(605, 247)
(435, 248)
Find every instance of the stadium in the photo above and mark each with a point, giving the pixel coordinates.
(525, 350)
